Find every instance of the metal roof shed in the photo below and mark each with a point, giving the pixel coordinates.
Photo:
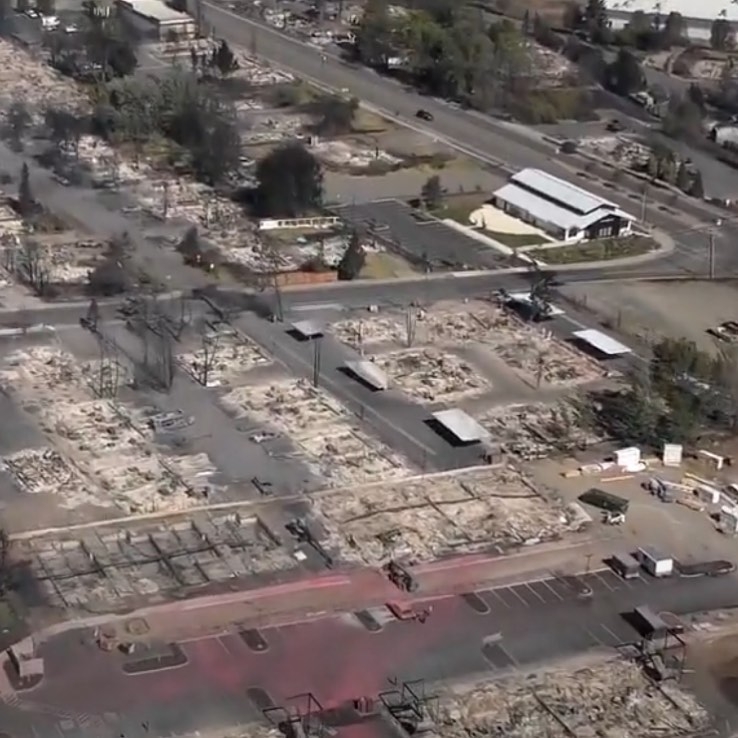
(308, 328)
(369, 372)
(461, 425)
(559, 190)
(602, 342)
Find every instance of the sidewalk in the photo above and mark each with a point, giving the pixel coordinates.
(332, 593)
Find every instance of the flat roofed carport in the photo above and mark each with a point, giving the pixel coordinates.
(369, 372)
(461, 425)
(308, 328)
(602, 342)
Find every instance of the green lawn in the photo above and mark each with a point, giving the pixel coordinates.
(460, 207)
(603, 249)
(516, 240)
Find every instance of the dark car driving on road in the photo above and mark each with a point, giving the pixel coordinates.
(424, 115)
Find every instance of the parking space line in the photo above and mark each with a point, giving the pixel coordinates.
(509, 655)
(604, 581)
(616, 637)
(494, 594)
(534, 592)
(553, 590)
(598, 641)
(512, 589)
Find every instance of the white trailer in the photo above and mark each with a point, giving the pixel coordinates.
(655, 563)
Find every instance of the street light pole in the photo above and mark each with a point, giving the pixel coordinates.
(711, 249)
(643, 202)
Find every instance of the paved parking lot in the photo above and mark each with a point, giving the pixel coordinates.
(573, 624)
(422, 238)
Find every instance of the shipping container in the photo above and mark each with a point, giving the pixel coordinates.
(604, 500)
(655, 563)
(625, 565)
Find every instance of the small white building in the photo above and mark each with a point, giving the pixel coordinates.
(698, 16)
(565, 211)
(155, 19)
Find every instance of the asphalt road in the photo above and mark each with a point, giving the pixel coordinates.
(489, 632)
(340, 296)
(505, 146)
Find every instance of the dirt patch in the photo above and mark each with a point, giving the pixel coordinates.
(648, 310)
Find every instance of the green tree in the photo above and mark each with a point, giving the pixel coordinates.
(722, 36)
(176, 105)
(374, 34)
(432, 193)
(652, 166)
(639, 23)
(541, 292)
(18, 120)
(109, 278)
(336, 115)
(684, 179)
(217, 152)
(290, 182)
(224, 60)
(625, 75)
(527, 25)
(65, 128)
(353, 259)
(697, 189)
(573, 16)
(697, 96)
(26, 201)
(595, 19)
(46, 7)
(674, 31)
(683, 118)
(190, 247)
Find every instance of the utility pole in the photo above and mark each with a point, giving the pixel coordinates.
(410, 326)
(316, 360)
(198, 16)
(711, 255)
(278, 297)
(644, 200)
(165, 201)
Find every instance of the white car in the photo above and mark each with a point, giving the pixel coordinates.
(263, 436)
(33, 13)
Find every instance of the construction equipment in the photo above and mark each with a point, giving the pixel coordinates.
(613, 518)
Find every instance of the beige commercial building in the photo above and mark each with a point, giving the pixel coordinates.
(155, 19)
